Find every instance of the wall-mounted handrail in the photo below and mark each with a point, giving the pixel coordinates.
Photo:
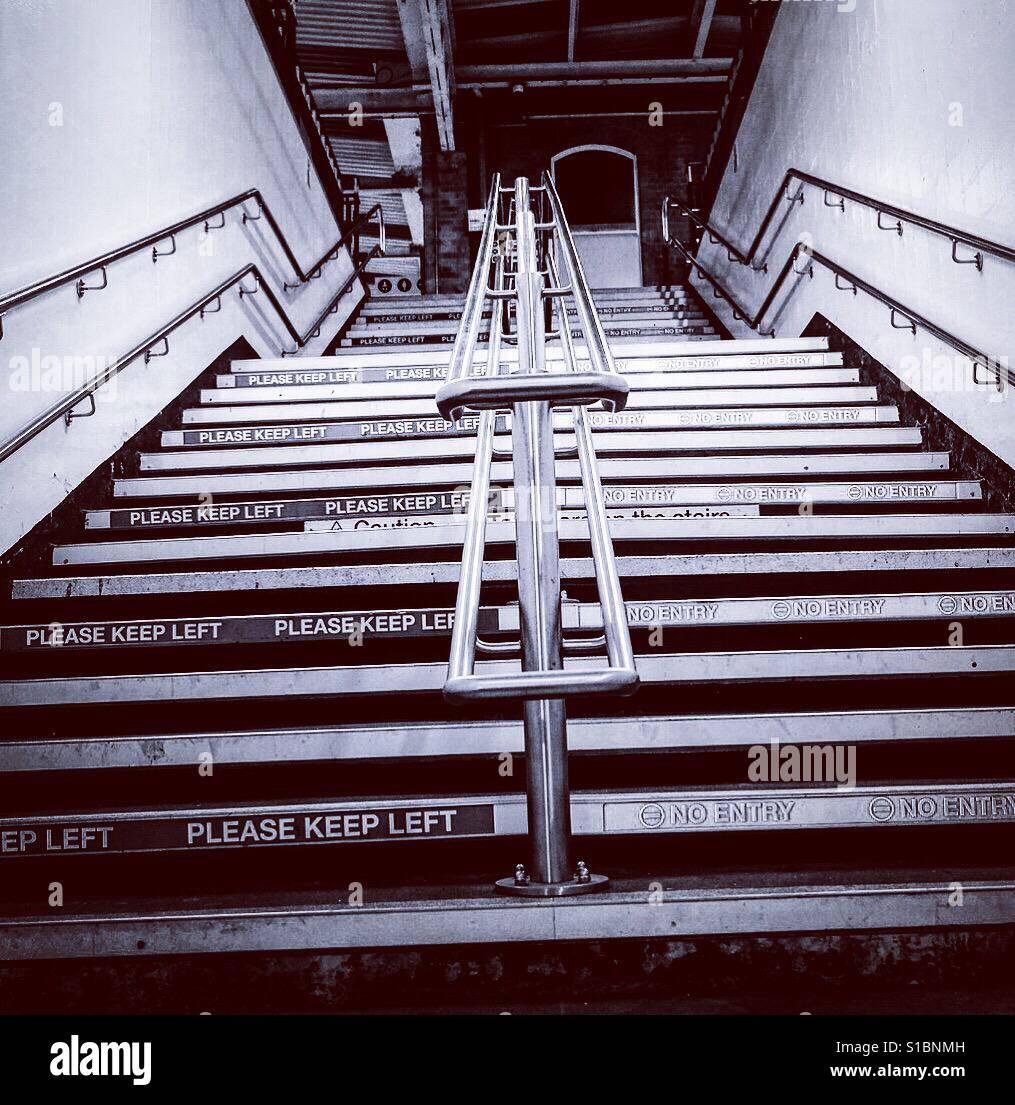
(66, 404)
(716, 237)
(783, 195)
(999, 373)
(95, 264)
(740, 313)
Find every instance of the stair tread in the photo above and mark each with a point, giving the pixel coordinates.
(294, 577)
(680, 668)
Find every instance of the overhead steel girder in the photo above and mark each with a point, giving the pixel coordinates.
(426, 27)
(701, 24)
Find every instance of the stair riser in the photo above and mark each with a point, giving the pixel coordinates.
(353, 627)
(402, 428)
(770, 347)
(607, 441)
(269, 512)
(606, 812)
(288, 419)
(396, 393)
(460, 475)
(411, 328)
(629, 333)
(635, 369)
(492, 738)
(447, 317)
(723, 566)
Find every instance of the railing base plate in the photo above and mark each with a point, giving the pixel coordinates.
(533, 889)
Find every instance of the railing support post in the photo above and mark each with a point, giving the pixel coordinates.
(539, 615)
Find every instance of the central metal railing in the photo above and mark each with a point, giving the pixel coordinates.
(527, 268)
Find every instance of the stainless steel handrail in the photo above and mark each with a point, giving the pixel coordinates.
(462, 390)
(64, 407)
(829, 188)
(542, 684)
(999, 374)
(167, 233)
(494, 392)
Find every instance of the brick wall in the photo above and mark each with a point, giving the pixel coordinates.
(662, 152)
(452, 182)
(446, 263)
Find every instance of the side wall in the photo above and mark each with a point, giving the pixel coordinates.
(908, 102)
(119, 118)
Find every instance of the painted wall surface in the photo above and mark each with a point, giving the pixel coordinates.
(908, 101)
(119, 118)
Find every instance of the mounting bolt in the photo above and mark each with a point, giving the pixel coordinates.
(582, 873)
(521, 879)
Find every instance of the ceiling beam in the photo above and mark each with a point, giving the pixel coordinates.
(335, 102)
(577, 70)
(701, 24)
(426, 29)
(592, 82)
(482, 5)
(525, 120)
(572, 29)
(604, 35)
(397, 183)
(440, 62)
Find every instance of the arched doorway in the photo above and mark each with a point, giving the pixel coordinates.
(599, 189)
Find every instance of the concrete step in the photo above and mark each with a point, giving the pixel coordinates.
(654, 668)
(378, 316)
(685, 907)
(625, 317)
(401, 428)
(634, 369)
(306, 389)
(714, 400)
(293, 410)
(423, 740)
(351, 627)
(435, 503)
(818, 435)
(446, 531)
(593, 813)
(638, 320)
(429, 476)
(321, 577)
(765, 347)
(621, 331)
(599, 295)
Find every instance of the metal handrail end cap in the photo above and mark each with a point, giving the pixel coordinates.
(542, 684)
(564, 388)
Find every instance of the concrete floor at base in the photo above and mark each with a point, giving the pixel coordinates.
(967, 972)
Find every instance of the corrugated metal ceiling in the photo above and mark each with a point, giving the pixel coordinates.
(362, 156)
(372, 26)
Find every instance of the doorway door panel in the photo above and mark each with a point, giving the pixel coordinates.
(611, 258)
(598, 187)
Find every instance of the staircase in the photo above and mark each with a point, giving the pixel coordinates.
(241, 654)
